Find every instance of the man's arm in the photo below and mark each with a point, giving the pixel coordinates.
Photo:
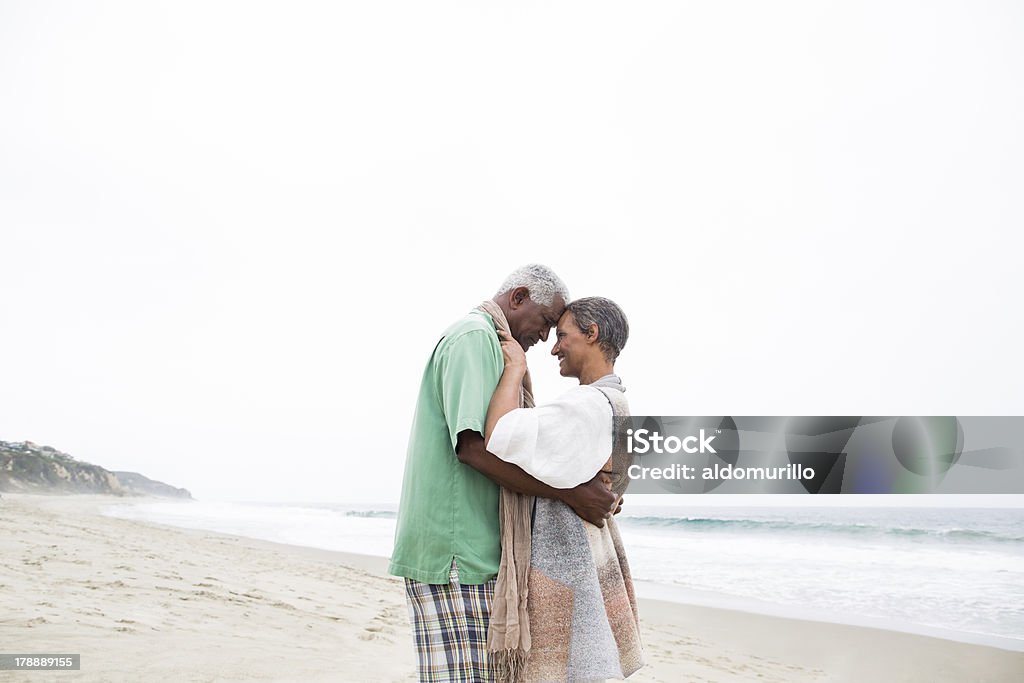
(591, 500)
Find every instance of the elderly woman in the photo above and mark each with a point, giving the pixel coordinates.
(583, 623)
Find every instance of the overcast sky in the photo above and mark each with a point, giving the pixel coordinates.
(232, 232)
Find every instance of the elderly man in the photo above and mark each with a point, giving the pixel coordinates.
(448, 537)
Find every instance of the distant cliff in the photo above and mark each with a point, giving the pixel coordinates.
(140, 485)
(28, 468)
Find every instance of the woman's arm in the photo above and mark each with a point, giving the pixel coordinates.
(506, 395)
(561, 442)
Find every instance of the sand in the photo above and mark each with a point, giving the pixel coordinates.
(141, 601)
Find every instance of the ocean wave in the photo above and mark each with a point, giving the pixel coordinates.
(375, 514)
(714, 524)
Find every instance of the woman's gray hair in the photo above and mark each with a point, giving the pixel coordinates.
(612, 326)
(541, 282)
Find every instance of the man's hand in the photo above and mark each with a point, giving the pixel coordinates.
(592, 500)
(618, 506)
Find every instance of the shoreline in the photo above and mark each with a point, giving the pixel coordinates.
(749, 606)
(147, 600)
(650, 591)
(741, 607)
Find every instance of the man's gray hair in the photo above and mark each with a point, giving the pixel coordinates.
(540, 280)
(612, 326)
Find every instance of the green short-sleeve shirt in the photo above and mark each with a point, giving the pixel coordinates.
(449, 510)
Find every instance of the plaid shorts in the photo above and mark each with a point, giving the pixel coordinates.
(449, 625)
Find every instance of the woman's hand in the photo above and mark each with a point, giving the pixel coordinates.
(515, 357)
(507, 394)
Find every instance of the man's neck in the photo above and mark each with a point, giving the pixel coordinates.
(502, 304)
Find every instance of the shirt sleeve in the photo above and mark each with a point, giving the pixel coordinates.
(563, 443)
(470, 368)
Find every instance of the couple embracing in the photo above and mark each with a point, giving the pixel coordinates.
(514, 568)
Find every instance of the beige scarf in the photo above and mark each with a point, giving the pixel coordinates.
(508, 636)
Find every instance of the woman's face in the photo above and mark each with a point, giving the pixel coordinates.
(570, 347)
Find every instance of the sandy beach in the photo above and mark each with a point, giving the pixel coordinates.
(141, 601)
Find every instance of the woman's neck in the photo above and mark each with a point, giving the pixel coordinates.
(595, 371)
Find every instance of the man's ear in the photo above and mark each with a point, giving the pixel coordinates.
(517, 297)
(593, 333)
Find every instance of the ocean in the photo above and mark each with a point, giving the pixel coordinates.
(952, 572)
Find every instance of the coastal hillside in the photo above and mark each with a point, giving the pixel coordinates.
(29, 468)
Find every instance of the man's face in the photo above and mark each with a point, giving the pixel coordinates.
(530, 322)
(570, 346)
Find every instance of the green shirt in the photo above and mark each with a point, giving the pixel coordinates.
(449, 510)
